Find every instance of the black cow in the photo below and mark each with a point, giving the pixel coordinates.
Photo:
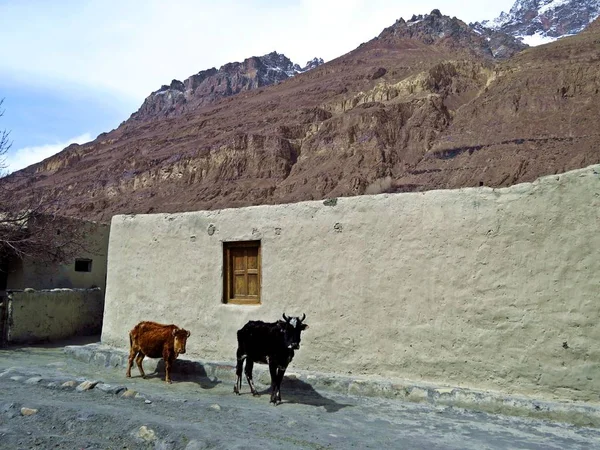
(268, 343)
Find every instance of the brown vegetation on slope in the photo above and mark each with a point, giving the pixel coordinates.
(409, 110)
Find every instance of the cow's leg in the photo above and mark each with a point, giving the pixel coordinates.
(273, 371)
(138, 361)
(248, 371)
(280, 374)
(238, 372)
(168, 362)
(132, 354)
(168, 357)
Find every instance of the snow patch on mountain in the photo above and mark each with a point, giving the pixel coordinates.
(538, 22)
(498, 22)
(536, 39)
(553, 4)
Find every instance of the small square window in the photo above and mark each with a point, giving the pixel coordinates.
(241, 274)
(83, 265)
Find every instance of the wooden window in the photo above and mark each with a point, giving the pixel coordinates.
(241, 262)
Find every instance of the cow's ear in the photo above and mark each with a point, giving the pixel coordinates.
(304, 326)
(188, 334)
(174, 332)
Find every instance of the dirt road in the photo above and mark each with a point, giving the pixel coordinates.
(121, 413)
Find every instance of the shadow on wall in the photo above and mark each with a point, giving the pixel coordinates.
(75, 340)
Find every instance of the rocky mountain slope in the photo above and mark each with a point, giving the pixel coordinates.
(209, 86)
(424, 105)
(541, 21)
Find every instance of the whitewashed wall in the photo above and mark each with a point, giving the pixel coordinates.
(475, 287)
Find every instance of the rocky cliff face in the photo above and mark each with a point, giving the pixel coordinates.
(541, 21)
(436, 29)
(209, 86)
(425, 105)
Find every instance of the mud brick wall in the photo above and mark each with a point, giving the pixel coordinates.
(485, 288)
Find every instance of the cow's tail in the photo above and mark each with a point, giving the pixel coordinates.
(240, 339)
(241, 350)
(131, 339)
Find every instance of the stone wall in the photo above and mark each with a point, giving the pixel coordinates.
(49, 315)
(484, 288)
(27, 273)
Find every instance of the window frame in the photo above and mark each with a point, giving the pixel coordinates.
(227, 297)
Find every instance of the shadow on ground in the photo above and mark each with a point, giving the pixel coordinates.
(184, 370)
(296, 391)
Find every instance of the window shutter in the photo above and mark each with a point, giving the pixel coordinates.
(242, 272)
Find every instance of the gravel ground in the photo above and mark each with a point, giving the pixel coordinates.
(113, 412)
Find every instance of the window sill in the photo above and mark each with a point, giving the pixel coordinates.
(242, 302)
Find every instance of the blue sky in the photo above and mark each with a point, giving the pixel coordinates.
(71, 69)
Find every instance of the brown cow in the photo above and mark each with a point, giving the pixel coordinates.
(155, 340)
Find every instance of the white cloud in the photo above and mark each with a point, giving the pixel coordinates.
(23, 157)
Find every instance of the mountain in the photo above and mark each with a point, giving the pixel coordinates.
(439, 30)
(209, 86)
(427, 104)
(542, 21)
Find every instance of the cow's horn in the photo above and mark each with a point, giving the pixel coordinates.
(303, 317)
(286, 318)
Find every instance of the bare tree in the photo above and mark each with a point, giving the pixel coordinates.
(4, 144)
(29, 224)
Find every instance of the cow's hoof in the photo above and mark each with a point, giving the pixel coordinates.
(169, 382)
(127, 375)
(256, 394)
